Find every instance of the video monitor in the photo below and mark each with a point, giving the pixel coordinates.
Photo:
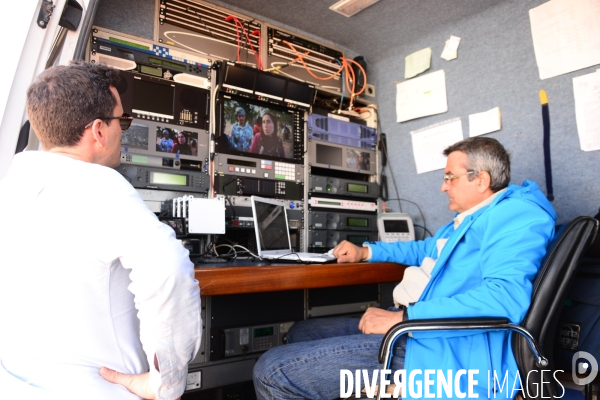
(176, 141)
(166, 141)
(258, 130)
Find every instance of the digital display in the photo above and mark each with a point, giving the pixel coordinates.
(260, 332)
(270, 85)
(167, 64)
(153, 98)
(362, 222)
(256, 130)
(356, 188)
(162, 178)
(357, 239)
(298, 92)
(330, 203)
(243, 163)
(150, 70)
(240, 78)
(395, 225)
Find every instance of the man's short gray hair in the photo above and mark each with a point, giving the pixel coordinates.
(485, 154)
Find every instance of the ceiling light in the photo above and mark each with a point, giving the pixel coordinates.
(350, 7)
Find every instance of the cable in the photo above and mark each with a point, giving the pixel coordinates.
(424, 230)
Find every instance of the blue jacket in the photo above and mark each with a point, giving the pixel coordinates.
(485, 269)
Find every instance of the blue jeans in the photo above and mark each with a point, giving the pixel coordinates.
(308, 367)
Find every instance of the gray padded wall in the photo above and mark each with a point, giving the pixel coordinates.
(495, 67)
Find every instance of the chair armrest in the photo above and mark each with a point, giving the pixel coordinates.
(452, 324)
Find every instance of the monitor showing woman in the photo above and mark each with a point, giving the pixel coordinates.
(267, 141)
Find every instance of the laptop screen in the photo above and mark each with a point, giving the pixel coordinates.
(272, 226)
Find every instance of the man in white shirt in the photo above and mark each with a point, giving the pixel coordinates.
(97, 298)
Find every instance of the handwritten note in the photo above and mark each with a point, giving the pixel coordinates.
(566, 36)
(429, 143)
(485, 122)
(422, 96)
(417, 62)
(451, 48)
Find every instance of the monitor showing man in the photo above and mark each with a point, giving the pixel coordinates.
(481, 264)
(89, 308)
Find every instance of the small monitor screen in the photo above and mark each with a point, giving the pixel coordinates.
(175, 141)
(240, 78)
(329, 155)
(272, 226)
(298, 92)
(395, 225)
(358, 160)
(256, 130)
(270, 85)
(153, 98)
(136, 137)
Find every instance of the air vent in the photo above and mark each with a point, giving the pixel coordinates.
(207, 21)
(350, 7)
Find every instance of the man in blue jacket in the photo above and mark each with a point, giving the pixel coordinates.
(481, 264)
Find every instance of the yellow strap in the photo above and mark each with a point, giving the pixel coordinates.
(543, 97)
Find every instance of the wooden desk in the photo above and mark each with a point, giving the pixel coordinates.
(241, 278)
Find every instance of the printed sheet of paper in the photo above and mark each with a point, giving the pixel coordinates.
(451, 48)
(566, 36)
(485, 122)
(422, 96)
(429, 143)
(417, 62)
(586, 89)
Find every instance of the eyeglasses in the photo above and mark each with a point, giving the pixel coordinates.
(125, 121)
(449, 177)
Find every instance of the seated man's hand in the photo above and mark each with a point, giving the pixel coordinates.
(376, 320)
(137, 384)
(347, 252)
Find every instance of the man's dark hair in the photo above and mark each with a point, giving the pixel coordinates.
(485, 154)
(64, 99)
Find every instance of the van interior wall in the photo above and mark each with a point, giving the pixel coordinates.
(496, 67)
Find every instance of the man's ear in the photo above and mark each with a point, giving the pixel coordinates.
(97, 132)
(485, 181)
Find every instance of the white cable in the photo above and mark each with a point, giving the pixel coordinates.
(224, 245)
(249, 252)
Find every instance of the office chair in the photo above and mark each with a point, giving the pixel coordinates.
(535, 341)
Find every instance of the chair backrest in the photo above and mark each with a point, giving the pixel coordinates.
(550, 289)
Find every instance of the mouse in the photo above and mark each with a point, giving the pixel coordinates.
(330, 253)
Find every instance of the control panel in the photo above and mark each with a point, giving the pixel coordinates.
(341, 221)
(159, 178)
(250, 339)
(346, 187)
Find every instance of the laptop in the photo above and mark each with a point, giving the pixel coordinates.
(273, 234)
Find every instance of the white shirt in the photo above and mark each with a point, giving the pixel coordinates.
(89, 277)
